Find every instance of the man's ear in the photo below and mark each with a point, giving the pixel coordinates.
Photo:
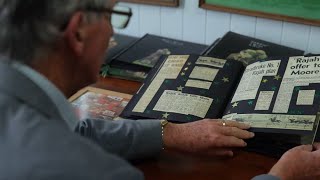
(74, 35)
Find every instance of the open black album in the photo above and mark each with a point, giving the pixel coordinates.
(185, 88)
(280, 95)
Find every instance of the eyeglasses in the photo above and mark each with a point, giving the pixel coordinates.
(119, 15)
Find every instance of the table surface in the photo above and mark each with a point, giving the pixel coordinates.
(173, 165)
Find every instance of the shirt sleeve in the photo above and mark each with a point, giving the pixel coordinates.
(130, 139)
(265, 177)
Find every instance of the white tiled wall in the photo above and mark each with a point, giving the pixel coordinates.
(191, 23)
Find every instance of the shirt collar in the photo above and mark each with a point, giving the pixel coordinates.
(64, 108)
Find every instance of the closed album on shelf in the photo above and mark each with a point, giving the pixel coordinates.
(246, 49)
(135, 61)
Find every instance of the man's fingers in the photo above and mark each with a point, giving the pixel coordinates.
(303, 148)
(221, 152)
(239, 125)
(316, 146)
(229, 141)
(239, 133)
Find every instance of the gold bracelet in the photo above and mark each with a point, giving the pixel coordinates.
(163, 124)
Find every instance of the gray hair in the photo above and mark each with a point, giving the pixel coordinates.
(29, 28)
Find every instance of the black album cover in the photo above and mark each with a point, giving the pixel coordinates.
(185, 88)
(144, 53)
(234, 46)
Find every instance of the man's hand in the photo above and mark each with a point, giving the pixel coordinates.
(208, 136)
(299, 163)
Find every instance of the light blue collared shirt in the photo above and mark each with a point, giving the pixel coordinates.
(65, 110)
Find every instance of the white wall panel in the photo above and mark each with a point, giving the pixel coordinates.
(269, 30)
(172, 22)
(218, 23)
(194, 21)
(191, 23)
(245, 25)
(314, 40)
(150, 21)
(295, 35)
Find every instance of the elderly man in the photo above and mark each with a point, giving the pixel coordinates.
(50, 49)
